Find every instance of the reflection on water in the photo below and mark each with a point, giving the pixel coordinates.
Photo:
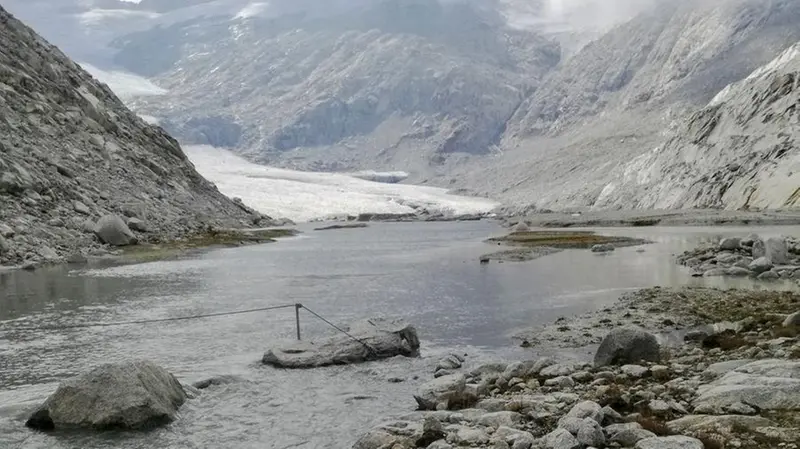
(427, 273)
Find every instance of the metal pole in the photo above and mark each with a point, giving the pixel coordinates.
(297, 308)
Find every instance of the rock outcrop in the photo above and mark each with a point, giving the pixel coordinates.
(121, 396)
(373, 339)
(70, 151)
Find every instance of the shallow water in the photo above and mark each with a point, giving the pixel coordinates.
(427, 273)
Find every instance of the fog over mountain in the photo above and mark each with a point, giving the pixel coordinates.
(539, 103)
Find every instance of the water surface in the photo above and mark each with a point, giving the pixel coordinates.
(427, 273)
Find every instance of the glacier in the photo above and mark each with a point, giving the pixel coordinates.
(306, 196)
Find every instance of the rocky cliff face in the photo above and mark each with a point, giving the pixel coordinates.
(395, 83)
(71, 152)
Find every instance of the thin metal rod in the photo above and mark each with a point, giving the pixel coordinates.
(297, 308)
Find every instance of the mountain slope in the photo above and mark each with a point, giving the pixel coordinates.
(394, 83)
(625, 94)
(741, 151)
(71, 152)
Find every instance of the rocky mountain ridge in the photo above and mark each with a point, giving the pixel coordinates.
(490, 98)
(71, 153)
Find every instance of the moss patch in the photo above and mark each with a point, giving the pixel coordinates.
(563, 239)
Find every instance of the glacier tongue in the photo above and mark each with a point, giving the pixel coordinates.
(304, 196)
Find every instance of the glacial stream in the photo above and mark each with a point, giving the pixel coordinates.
(426, 273)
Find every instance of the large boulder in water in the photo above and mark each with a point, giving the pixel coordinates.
(112, 230)
(629, 345)
(373, 339)
(122, 396)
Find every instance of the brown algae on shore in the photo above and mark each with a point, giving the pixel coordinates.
(529, 245)
(214, 238)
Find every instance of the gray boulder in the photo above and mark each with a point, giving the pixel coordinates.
(112, 230)
(629, 345)
(628, 434)
(760, 265)
(446, 392)
(792, 320)
(375, 339)
(759, 249)
(772, 384)
(749, 240)
(738, 272)
(729, 244)
(521, 227)
(81, 208)
(777, 251)
(123, 396)
(768, 276)
(560, 439)
(137, 225)
(591, 434)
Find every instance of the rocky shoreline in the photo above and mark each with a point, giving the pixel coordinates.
(751, 256)
(642, 218)
(676, 368)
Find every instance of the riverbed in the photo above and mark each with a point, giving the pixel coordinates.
(426, 273)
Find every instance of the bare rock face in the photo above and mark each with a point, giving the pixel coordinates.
(121, 396)
(70, 151)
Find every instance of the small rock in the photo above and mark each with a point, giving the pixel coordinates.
(81, 208)
(6, 231)
(760, 265)
(768, 276)
(586, 409)
(635, 371)
(729, 244)
(758, 250)
(591, 434)
(660, 372)
(501, 419)
(432, 430)
(792, 320)
(738, 272)
(560, 382)
(603, 248)
(112, 230)
(658, 407)
(137, 225)
(560, 439)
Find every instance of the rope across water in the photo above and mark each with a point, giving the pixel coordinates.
(297, 306)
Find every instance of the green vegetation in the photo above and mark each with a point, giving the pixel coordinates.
(147, 252)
